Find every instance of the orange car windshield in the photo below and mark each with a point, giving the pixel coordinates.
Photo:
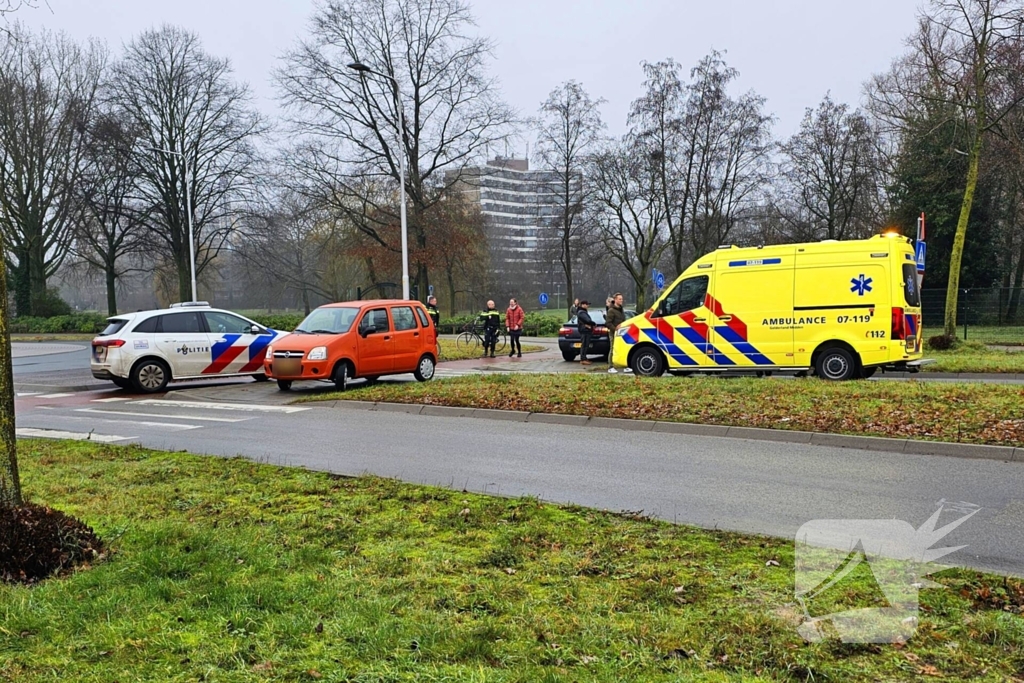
(328, 321)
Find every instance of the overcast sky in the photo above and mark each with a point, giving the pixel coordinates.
(790, 51)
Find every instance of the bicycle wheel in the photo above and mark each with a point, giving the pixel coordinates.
(468, 342)
(501, 342)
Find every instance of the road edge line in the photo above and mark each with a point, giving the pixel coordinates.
(866, 443)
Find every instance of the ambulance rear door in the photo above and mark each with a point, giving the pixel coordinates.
(752, 310)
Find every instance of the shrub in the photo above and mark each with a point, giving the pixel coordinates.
(82, 323)
(49, 304)
(284, 322)
(941, 343)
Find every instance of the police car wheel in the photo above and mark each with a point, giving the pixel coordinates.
(836, 364)
(284, 384)
(648, 363)
(121, 382)
(150, 376)
(425, 369)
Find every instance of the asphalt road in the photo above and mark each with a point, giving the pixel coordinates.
(711, 482)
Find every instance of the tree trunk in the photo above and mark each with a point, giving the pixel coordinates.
(10, 484)
(1018, 280)
(451, 292)
(22, 288)
(111, 290)
(957, 253)
(184, 277)
(305, 299)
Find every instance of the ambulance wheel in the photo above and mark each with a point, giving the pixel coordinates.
(425, 370)
(647, 362)
(569, 356)
(150, 375)
(340, 376)
(284, 384)
(836, 364)
(764, 373)
(261, 378)
(868, 373)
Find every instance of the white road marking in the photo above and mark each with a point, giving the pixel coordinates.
(201, 405)
(173, 417)
(54, 395)
(28, 393)
(109, 400)
(31, 433)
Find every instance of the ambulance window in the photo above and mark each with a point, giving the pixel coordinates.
(404, 319)
(910, 291)
(688, 295)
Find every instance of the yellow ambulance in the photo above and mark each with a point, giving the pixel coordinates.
(837, 309)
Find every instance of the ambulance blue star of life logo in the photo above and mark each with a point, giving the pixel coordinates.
(861, 285)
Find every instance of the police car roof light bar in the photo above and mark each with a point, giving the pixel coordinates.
(191, 304)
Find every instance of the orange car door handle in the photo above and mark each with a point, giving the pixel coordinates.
(415, 334)
(387, 337)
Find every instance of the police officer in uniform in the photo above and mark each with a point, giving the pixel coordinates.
(491, 318)
(432, 311)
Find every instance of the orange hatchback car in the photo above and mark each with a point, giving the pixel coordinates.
(340, 342)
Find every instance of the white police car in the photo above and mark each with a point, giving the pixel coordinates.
(146, 350)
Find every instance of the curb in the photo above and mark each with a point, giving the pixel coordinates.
(867, 443)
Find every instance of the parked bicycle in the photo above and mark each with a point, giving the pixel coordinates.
(471, 339)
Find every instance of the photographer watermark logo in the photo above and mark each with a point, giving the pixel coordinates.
(888, 555)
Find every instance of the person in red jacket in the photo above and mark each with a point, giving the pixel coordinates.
(514, 317)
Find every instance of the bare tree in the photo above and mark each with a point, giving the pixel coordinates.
(110, 219)
(568, 129)
(48, 86)
(195, 127)
(293, 242)
(665, 129)
(953, 65)
(428, 65)
(630, 211)
(831, 168)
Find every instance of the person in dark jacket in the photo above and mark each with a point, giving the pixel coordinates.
(612, 319)
(491, 319)
(432, 311)
(586, 326)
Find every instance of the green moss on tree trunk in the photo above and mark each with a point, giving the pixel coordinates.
(10, 485)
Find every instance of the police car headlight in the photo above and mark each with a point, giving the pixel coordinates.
(319, 353)
(270, 353)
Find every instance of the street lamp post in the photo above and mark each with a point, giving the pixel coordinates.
(188, 210)
(363, 69)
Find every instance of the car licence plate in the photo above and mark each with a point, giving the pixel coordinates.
(577, 345)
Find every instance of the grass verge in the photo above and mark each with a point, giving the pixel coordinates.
(228, 570)
(450, 350)
(975, 357)
(968, 413)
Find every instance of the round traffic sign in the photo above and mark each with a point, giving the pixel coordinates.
(543, 299)
(659, 280)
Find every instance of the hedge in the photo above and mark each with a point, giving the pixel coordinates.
(282, 322)
(81, 323)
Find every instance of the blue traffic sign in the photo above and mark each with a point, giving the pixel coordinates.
(543, 299)
(922, 249)
(659, 280)
(430, 290)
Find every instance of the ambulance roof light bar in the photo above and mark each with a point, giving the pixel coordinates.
(191, 304)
